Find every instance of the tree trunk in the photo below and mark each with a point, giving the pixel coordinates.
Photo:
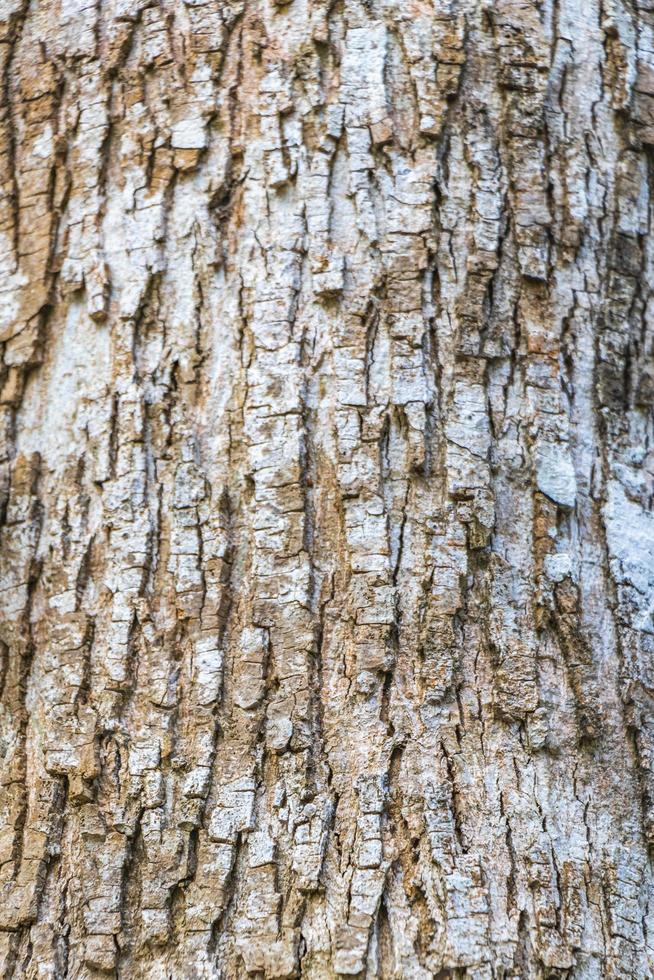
(328, 544)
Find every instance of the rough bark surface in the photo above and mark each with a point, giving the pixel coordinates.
(327, 482)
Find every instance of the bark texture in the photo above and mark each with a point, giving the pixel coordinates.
(327, 484)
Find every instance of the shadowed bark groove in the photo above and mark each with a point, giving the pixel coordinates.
(326, 488)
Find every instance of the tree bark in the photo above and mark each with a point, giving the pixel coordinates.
(327, 485)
